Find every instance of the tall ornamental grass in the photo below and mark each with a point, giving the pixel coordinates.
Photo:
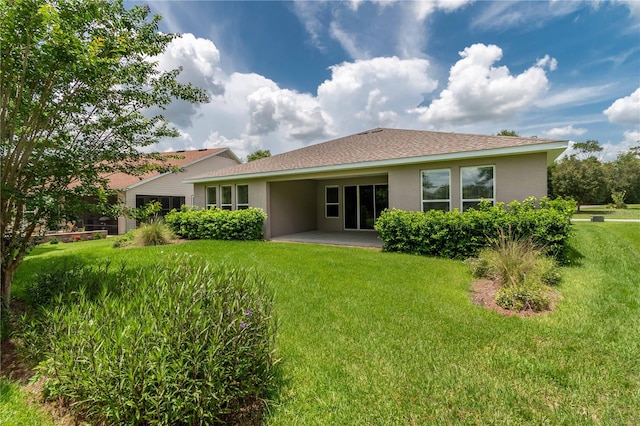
(184, 343)
(522, 270)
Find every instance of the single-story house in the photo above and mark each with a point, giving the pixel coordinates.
(344, 184)
(167, 188)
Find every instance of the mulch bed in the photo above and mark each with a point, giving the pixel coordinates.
(483, 294)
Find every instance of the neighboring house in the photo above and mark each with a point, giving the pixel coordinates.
(167, 188)
(344, 184)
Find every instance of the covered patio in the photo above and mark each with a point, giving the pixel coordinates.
(344, 238)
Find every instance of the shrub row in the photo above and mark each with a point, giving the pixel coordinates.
(459, 235)
(217, 224)
(177, 344)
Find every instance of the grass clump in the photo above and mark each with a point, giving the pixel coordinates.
(180, 343)
(156, 233)
(153, 234)
(521, 269)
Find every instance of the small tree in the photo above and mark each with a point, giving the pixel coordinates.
(623, 175)
(77, 82)
(144, 214)
(582, 180)
(505, 132)
(261, 153)
(587, 149)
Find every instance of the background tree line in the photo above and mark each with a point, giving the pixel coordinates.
(584, 177)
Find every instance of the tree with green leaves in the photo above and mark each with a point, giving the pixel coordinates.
(586, 149)
(78, 80)
(505, 132)
(623, 175)
(580, 176)
(261, 153)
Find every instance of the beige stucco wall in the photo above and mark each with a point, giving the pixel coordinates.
(171, 185)
(292, 207)
(516, 178)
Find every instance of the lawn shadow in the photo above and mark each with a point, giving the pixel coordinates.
(573, 258)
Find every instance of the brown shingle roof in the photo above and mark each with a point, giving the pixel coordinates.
(123, 180)
(381, 144)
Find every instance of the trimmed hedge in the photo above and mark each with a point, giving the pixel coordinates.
(459, 235)
(217, 224)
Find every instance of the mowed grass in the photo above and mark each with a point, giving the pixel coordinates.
(15, 409)
(367, 337)
(631, 212)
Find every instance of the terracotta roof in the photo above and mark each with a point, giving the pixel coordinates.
(376, 145)
(123, 180)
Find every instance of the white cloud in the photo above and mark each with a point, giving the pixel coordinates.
(565, 131)
(633, 5)
(400, 22)
(625, 110)
(575, 96)
(240, 146)
(198, 59)
(251, 111)
(375, 92)
(547, 60)
(504, 15)
(631, 138)
(298, 114)
(478, 90)
(347, 41)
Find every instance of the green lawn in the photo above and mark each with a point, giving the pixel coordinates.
(380, 338)
(631, 212)
(14, 409)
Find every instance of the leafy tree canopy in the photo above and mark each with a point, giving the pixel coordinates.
(505, 132)
(77, 81)
(261, 153)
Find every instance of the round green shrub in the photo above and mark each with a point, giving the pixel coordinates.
(522, 298)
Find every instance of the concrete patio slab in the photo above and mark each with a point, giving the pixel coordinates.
(346, 238)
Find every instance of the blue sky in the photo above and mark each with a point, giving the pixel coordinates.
(282, 75)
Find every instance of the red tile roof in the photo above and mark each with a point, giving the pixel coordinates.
(123, 180)
(381, 144)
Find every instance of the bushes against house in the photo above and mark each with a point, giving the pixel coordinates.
(217, 224)
(181, 343)
(459, 235)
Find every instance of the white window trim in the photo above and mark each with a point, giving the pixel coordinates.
(326, 203)
(242, 206)
(448, 200)
(475, 200)
(206, 196)
(229, 205)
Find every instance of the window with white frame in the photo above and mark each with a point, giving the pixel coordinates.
(225, 197)
(212, 199)
(331, 201)
(436, 190)
(478, 183)
(242, 197)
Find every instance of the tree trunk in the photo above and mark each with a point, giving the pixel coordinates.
(7, 277)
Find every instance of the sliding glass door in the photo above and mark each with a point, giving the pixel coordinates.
(363, 205)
